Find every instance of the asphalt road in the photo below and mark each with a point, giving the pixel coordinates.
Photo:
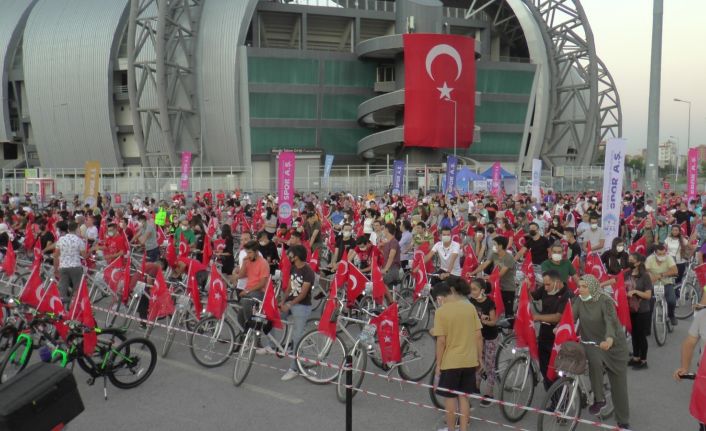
(183, 395)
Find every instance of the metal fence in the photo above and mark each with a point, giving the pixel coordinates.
(161, 183)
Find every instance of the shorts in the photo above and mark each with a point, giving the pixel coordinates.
(457, 379)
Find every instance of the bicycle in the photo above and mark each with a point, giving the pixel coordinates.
(660, 322)
(568, 396)
(256, 327)
(410, 367)
(218, 335)
(518, 384)
(689, 293)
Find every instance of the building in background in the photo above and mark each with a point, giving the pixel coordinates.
(667, 155)
(137, 82)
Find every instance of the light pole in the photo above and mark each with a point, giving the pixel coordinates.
(688, 131)
(676, 173)
(448, 99)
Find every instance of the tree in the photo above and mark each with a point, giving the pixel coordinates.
(637, 163)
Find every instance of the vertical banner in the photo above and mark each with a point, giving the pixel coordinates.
(398, 177)
(497, 178)
(451, 164)
(328, 163)
(613, 188)
(91, 182)
(692, 174)
(185, 169)
(285, 185)
(536, 178)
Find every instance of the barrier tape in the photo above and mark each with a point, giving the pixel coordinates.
(400, 380)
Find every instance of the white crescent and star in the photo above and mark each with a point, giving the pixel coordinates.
(444, 49)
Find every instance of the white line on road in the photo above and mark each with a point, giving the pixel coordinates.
(218, 377)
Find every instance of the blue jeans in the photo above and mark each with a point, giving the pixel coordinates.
(152, 255)
(671, 297)
(299, 313)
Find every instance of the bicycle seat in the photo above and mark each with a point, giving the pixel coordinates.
(504, 323)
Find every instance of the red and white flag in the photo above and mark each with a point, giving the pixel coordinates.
(217, 300)
(51, 301)
(496, 292)
(356, 283)
(161, 303)
(388, 332)
(113, 273)
(565, 331)
(9, 263)
(379, 288)
(327, 325)
(420, 273)
(594, 266)
(470, 262)
(171, 255)
(32, 291)
(193, 289)
(621, 302)
(440, 85)
(639, 246)
(525, 334)
(269, 306)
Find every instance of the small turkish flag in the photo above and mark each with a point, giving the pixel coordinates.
(440, 87)
(388, 332)
(217, 300)
(565, 331)
(639, 246)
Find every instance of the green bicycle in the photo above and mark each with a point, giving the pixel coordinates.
(125, 363)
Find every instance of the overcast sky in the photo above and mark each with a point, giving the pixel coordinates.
(623, 30)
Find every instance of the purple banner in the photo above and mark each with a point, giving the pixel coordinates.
(497, 178)
(285, 185)
(185, 169)
(397, 177)
(692, 174)
(451, 164)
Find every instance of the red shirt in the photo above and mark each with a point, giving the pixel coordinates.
(115, 245)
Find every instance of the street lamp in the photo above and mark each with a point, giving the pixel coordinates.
(688, 131)
(676, 173)
(448, 99)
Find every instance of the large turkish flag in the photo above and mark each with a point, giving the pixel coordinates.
(440, 88)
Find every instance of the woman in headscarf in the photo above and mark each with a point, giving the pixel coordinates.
(599, 324)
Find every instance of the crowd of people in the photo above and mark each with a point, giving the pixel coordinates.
(473, 244)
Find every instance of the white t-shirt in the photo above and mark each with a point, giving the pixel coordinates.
(673, 246)
(242, 282)
(445, 254)
(92, 233)
(374, 238)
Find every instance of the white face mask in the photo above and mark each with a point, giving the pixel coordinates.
(556, 257)
(620, 248)
(585, 298)
(660, 258)
(263, 243)
(594, 226)
(446, 238)
(346, 234)
(495, 249)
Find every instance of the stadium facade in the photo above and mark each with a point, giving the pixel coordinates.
(136, 82)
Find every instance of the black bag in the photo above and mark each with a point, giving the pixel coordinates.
(39, 398)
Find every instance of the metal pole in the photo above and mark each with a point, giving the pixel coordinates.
(654, 100)
(349, 393)
(676, 172)
(406, 175)
(387, 168)
(455, 126)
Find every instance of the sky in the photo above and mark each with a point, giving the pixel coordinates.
(622, 31)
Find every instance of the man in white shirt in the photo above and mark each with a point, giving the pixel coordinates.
(449, 253)
(594, 236)
(68, 253)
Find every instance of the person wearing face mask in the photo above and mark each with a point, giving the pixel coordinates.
(488, 318)
(505, 263)
(638, 285)
(615, 260)
(594, 235)
(268, 250)
(537, 244)
(663, 270)
(557, 263)
(449, 253)
(553, 296)
(361, 255)
(600, 324)
(114, 245)
(556, 230)
(147, 237)
(344, 243)
(574, 246)
(183, 228)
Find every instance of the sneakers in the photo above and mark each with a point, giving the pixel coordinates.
(624, 426)
(289, 375)
(673, 321)
(596, 407)
(265, 350)
(640, 365)
(632, 362)
(486, 402)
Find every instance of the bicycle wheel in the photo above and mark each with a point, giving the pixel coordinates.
(517, 387)
(132, 363)
(435, 398)
(687, 298)
(15, 360)
(564, 399)
(212, 342)
(659, 322)
(360, 359)
(504, 355)
(105, 340)
(418, 315)
(243, 360)
(418, 356)
(8, 337)
(316, 353)
(174, 323)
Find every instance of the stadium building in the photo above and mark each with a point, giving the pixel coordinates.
(135, 83)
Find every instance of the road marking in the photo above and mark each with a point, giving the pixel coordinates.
(220, 378)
